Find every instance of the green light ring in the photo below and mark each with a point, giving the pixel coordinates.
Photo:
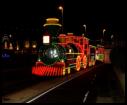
(62, 51)
(50, 61)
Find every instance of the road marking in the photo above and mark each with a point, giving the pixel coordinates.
(86, 95)
(33, 99)
(50, 90)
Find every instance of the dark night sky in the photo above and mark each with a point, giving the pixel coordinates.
(26, 18)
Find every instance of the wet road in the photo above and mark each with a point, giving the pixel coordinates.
(41, 86)
(84, 89)
(99, 85)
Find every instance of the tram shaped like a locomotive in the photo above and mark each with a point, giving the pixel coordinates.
(63, 54)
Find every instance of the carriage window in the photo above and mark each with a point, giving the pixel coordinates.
(85, 46)
(76, 40)
(85, 52)
(81, 41)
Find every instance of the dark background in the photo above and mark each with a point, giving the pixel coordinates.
(25, 18)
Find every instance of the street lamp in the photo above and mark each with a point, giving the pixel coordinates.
(112, 36)
(85, 28)
(61, 8)
(104, 31)
(103, 35)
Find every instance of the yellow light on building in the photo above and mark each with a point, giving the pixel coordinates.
(11, 47)
(17, 45)
(17, 48)
(5, 45)
(34, 46)
(27, 44)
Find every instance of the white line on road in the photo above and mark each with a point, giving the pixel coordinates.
(58, 86)
(86, 95)
(49, 90)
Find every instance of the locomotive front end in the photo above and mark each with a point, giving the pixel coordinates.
(51, 55)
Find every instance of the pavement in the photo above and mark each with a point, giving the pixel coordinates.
(107, 88)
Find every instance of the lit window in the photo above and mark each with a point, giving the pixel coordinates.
(46, 40)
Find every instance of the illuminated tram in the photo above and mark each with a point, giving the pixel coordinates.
(62, 54)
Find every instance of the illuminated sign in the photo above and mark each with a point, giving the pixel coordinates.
(46, 39)
(5, 55)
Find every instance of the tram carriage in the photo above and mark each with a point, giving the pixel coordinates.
(63, 54)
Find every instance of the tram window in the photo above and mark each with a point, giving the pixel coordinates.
(85, 46)
(85, 52)
(92, 50)
(81, 41)
(75, 40)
